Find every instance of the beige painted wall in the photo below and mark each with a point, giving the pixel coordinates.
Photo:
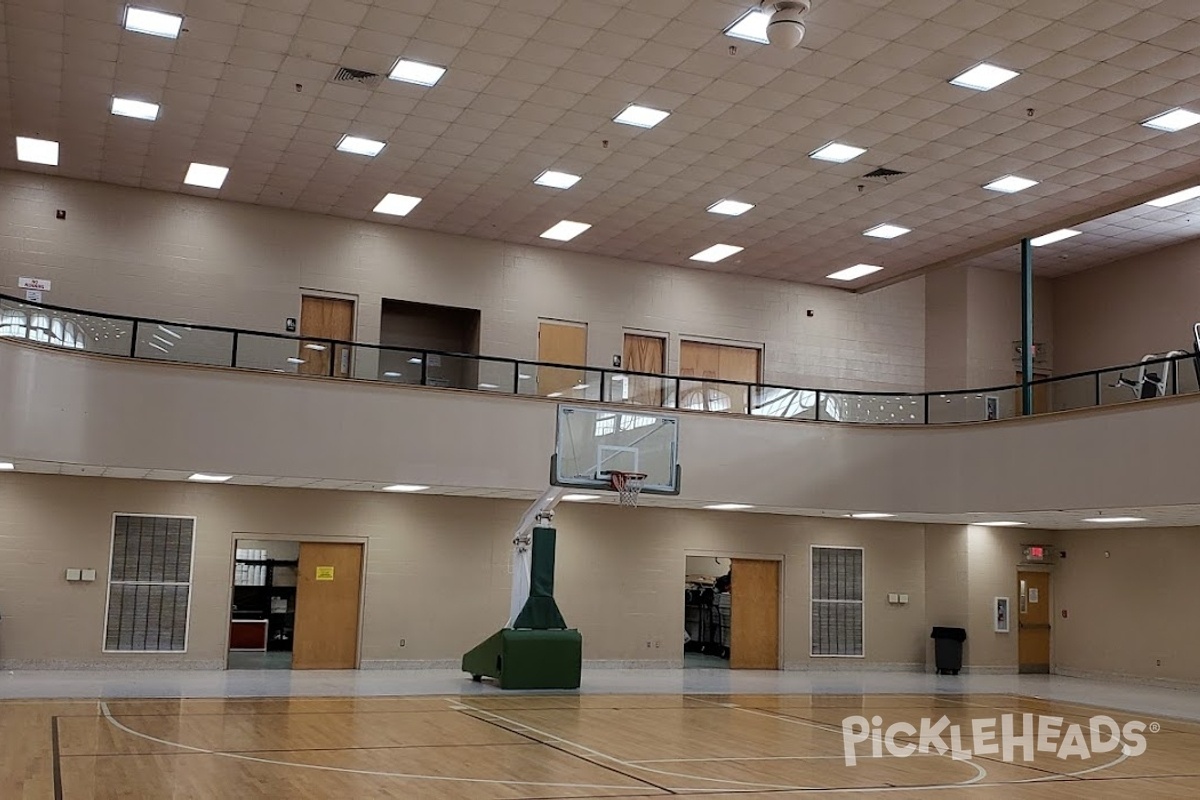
(192, 259)
(1131, 602)
(1118, 313)
(437, 569)
(973, 317)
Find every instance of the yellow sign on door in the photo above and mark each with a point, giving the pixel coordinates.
(324, 573)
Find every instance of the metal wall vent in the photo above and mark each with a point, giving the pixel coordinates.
(357, 77)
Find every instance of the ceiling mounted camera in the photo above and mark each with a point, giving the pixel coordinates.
(786, 28)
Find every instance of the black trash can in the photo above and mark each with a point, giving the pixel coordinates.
(947, 649)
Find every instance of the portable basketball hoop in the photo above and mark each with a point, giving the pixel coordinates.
(627, 485)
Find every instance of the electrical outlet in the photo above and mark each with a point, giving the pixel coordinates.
(402, 643)
(647, 645)
(657, 644)
(1158, 662)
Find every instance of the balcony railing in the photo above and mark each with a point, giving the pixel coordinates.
(160, 340)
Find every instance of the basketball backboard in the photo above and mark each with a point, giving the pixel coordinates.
(592, 442)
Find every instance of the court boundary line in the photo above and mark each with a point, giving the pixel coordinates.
(56, 763)
(348, 770)
(973, 783)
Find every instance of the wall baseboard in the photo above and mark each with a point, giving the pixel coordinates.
(136, 663)
(1124, 677)
(830, 665)
(410, 664)
(661, 663)
(982, 669)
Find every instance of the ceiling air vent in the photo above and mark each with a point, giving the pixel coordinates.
(883, 175)
(357, 77)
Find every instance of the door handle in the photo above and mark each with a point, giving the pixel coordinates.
(1030, 626)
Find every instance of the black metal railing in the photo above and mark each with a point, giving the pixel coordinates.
(161, 340)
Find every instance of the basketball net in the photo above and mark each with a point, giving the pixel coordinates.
(627, 485)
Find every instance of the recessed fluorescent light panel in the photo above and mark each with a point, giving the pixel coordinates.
(1173, 121)
(1051, 238)
(556, 180)
(206, 175)
(854, 273)
(201, 477)
(580, 498)
(641, 116)
(1001, 524)
(1114, 520)
(566, 230)
(728, 507)
(984, 78)
(718, 252)
(405, 488)
(6, 465)
(1176, 198)
(416, 72)
(1010, 184)
(397, 205)
(360, 146)
(837, 153)
(887, 231)
(155, 23)
(37, 151)
(751, 26)
(872, 515)
(730, 208)
(138, 109)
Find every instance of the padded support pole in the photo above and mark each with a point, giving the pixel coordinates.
(540, 611)
(1026, 327)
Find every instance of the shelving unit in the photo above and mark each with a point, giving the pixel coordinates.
(274, 600)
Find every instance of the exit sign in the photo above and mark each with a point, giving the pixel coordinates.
(1037, 553)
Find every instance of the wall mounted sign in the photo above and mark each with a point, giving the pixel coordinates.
(1000, 615)
(324, 573)
(37, 284)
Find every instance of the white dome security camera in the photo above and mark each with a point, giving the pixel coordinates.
(786, 29)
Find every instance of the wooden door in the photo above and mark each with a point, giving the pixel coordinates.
(325, 319)
(329, 589)
(717, 362)
(754, 637)
(643, 354)
(561, 343)
(1033, 622)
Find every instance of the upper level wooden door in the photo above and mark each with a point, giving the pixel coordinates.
(754, 636)
(705, 361)
(643, 354)
(328, 593)
(1033, 622)
(326, 319)
(561, 343)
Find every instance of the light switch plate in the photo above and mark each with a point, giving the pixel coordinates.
(73, 574)
(893, 598)
(903, 599)
(88, 575)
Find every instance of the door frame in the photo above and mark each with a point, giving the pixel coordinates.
(297, 537)
(1048, 570)
(731, 555)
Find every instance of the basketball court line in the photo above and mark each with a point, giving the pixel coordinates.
(349, 770)
(741, 786)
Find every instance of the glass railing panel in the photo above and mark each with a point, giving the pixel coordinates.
(714, 395)
(1062, 394)
(654, 391)
(568, 383)
(183, 344)
(397, 365)
(877, 409)
(271, 353)
(778, 402)
(496, 376)
(68, 329)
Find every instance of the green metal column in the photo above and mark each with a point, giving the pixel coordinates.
(1026, 326)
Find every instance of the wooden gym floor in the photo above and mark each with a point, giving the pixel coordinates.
(547, 746)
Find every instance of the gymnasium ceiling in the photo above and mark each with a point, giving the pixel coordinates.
(534, 84)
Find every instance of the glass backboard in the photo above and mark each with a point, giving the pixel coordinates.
(592, 442)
